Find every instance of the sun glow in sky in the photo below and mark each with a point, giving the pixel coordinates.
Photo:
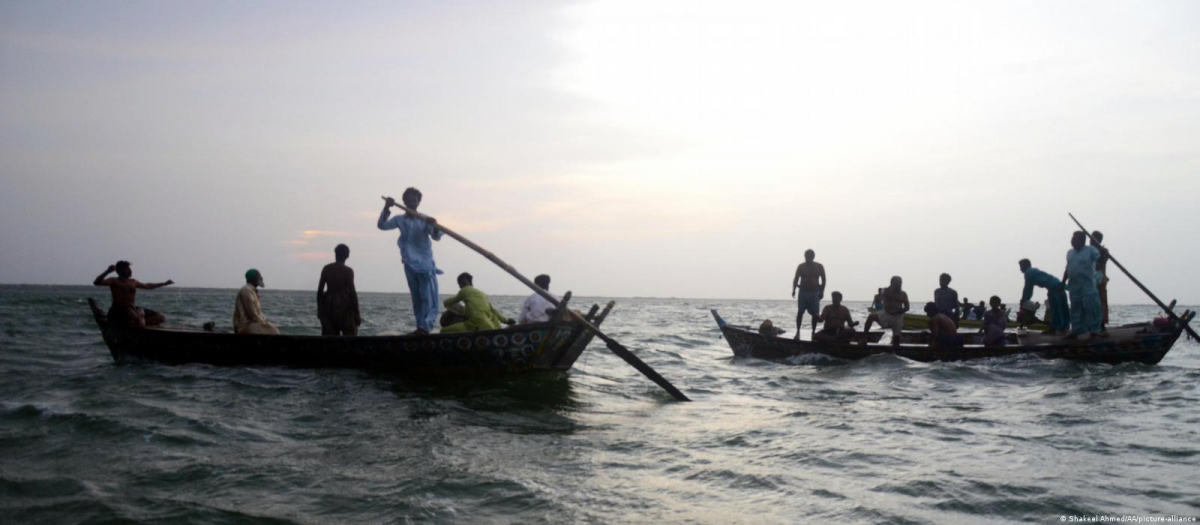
(626, 148)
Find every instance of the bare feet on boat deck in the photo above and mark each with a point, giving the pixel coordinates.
(418, 332)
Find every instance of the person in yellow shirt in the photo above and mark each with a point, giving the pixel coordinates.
(481, 315)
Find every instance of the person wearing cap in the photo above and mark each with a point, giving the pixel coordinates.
(124, 310)
(337, 299)
(247, 312)
(417, 232)
(481, 315)
(1057, 309)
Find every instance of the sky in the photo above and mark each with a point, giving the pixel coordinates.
(643, 148)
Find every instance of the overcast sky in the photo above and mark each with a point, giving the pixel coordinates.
(671, 149)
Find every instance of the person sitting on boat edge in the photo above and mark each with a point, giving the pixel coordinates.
(946, 298)
(536, 308)
(1080, 280)
(895, 304)
(247, 310)
(416, 254)
(481, 315)
(995, 321)
(839, 327)
(1057, 309)
(810, 280)
(124, 310)
(337, 299)
(943, 333)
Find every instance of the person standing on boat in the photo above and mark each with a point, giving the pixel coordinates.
(810, 280)
(124, 310)
(895, 304)
(416, 252)
(946, 298)
(839, 327)
(536, 308)
(337, 299)
(1101, 277)
(481, 315)
(1080, 280)
(1057, 310)
(247, 310)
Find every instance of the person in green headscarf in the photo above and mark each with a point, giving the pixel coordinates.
(481, 315)
(247, 312)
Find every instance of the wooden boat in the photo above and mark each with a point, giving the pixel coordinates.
(549, 346)
(1133, 343)
(921, 322)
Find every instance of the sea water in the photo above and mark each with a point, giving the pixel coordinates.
(85, 440)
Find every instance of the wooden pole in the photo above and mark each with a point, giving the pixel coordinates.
(612, 344)
(1139, 284)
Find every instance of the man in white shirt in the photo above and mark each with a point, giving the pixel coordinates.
(536, 308)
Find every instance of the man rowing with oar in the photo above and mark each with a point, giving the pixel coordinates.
(416, 251)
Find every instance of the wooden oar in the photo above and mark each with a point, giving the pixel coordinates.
(612, 344)
(1165, 308)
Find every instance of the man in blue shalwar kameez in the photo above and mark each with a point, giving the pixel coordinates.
(416, 251)
(1056, 297)
(1087, 316)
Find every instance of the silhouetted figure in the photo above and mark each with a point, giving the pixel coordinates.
(946, 298)
(895, 304)
(995, 321)
(810, 279)
(943, 333)
(1102, 276)
(124, 310)
(839, 327)
(337, 300)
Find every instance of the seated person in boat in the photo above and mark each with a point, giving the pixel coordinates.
(995, 321)
(536, 308)
(337, 299)
(247, 311)
(1057, 310)
(877, 302)
(769, 329)
(943, 333)
(481, 315)
(946, 298)
(839, 327)
(980, 310)
(895, 304)
(124, 310)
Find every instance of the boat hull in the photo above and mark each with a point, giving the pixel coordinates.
(552, 346)
(1139, 345)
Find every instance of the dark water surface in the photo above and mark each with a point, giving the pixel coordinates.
(880, 440)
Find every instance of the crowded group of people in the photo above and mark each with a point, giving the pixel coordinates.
(1076, 305)
(337, 299)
